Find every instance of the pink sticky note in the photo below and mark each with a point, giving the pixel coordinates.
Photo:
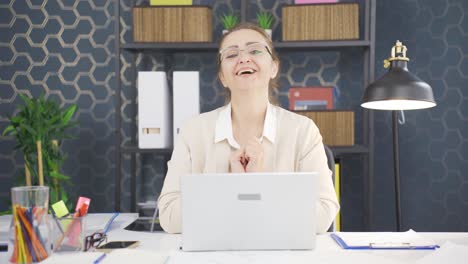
(82, 206)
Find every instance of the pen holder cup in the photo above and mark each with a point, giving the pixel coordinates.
(30, 229)
(69, 234)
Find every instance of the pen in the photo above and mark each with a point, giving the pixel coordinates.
(98, 260)
(54, 216)
(109, 223)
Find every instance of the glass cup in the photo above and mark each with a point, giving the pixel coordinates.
(69, 234)
(30, 230)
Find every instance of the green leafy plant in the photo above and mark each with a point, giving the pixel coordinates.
(229, 21)
(265, 20)
(39, 128)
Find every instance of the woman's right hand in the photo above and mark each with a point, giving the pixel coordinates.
(254, 155)
(237, 161)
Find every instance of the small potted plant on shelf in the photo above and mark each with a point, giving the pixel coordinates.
(229, 21)
(265, 20)
(39, 128)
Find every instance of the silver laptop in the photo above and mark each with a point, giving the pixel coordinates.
(254, 211)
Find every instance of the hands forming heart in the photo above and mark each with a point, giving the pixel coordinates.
(248, 158)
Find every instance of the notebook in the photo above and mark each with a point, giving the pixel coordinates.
(248, 211)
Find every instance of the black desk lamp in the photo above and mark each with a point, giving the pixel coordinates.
(398, 90)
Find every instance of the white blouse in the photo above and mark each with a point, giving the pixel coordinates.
(205, 143)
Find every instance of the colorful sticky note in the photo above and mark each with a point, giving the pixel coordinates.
(60, 209)
(82, 206)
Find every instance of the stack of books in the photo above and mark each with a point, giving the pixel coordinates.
(311, 98)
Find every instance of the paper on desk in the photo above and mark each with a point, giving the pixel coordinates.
(448, 253)
(364, 239)
(237, 257)
(72, 258)
(134, 256)
(276, 257)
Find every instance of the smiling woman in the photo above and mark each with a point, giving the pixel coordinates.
(248, 134)
(262, 47)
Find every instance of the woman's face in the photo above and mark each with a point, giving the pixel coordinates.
(246, 62)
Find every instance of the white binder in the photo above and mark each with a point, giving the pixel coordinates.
(186, 91)
(154, 127)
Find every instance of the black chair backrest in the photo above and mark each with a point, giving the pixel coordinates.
(331, 161)
(331, 166)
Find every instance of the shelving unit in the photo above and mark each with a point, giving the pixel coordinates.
(368, 48)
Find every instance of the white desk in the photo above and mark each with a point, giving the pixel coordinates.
(327, 251)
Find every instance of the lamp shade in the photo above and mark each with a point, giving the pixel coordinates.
(398, 89)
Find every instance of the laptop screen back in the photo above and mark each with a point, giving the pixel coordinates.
(254, 211)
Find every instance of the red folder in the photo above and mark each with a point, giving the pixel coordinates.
(310, 98)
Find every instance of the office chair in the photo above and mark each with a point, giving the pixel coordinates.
(331, 160)
(331, 166)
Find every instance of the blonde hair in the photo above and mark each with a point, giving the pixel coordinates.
(273, 84)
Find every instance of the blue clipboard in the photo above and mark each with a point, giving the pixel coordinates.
(380, 246)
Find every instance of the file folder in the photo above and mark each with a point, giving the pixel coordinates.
(409, 240)
(186, 94)
(154, 124)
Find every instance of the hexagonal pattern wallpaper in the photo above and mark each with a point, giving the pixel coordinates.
(433, 142)
(66, 49)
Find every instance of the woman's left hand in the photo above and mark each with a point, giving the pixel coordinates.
(254, 155)
(237, 161)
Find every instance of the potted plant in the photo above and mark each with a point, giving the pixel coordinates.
(265, 20)
(229, 21)
(39, 128)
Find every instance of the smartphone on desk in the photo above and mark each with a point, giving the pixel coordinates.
(108, 247)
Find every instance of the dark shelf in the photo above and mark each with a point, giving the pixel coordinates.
(334, 44)
(280, 45)
(135, 149)
(355, 149)
(171, 46)
(337, 150)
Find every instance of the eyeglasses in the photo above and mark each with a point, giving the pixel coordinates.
(94, 240)
(233, 53)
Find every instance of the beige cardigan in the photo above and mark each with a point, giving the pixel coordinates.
(297, 147)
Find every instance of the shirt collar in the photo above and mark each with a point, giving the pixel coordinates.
(223, 129)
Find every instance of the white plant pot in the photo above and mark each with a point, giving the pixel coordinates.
(269, 32)
(225, 31)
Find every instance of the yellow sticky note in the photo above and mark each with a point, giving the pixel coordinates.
(60, 209)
